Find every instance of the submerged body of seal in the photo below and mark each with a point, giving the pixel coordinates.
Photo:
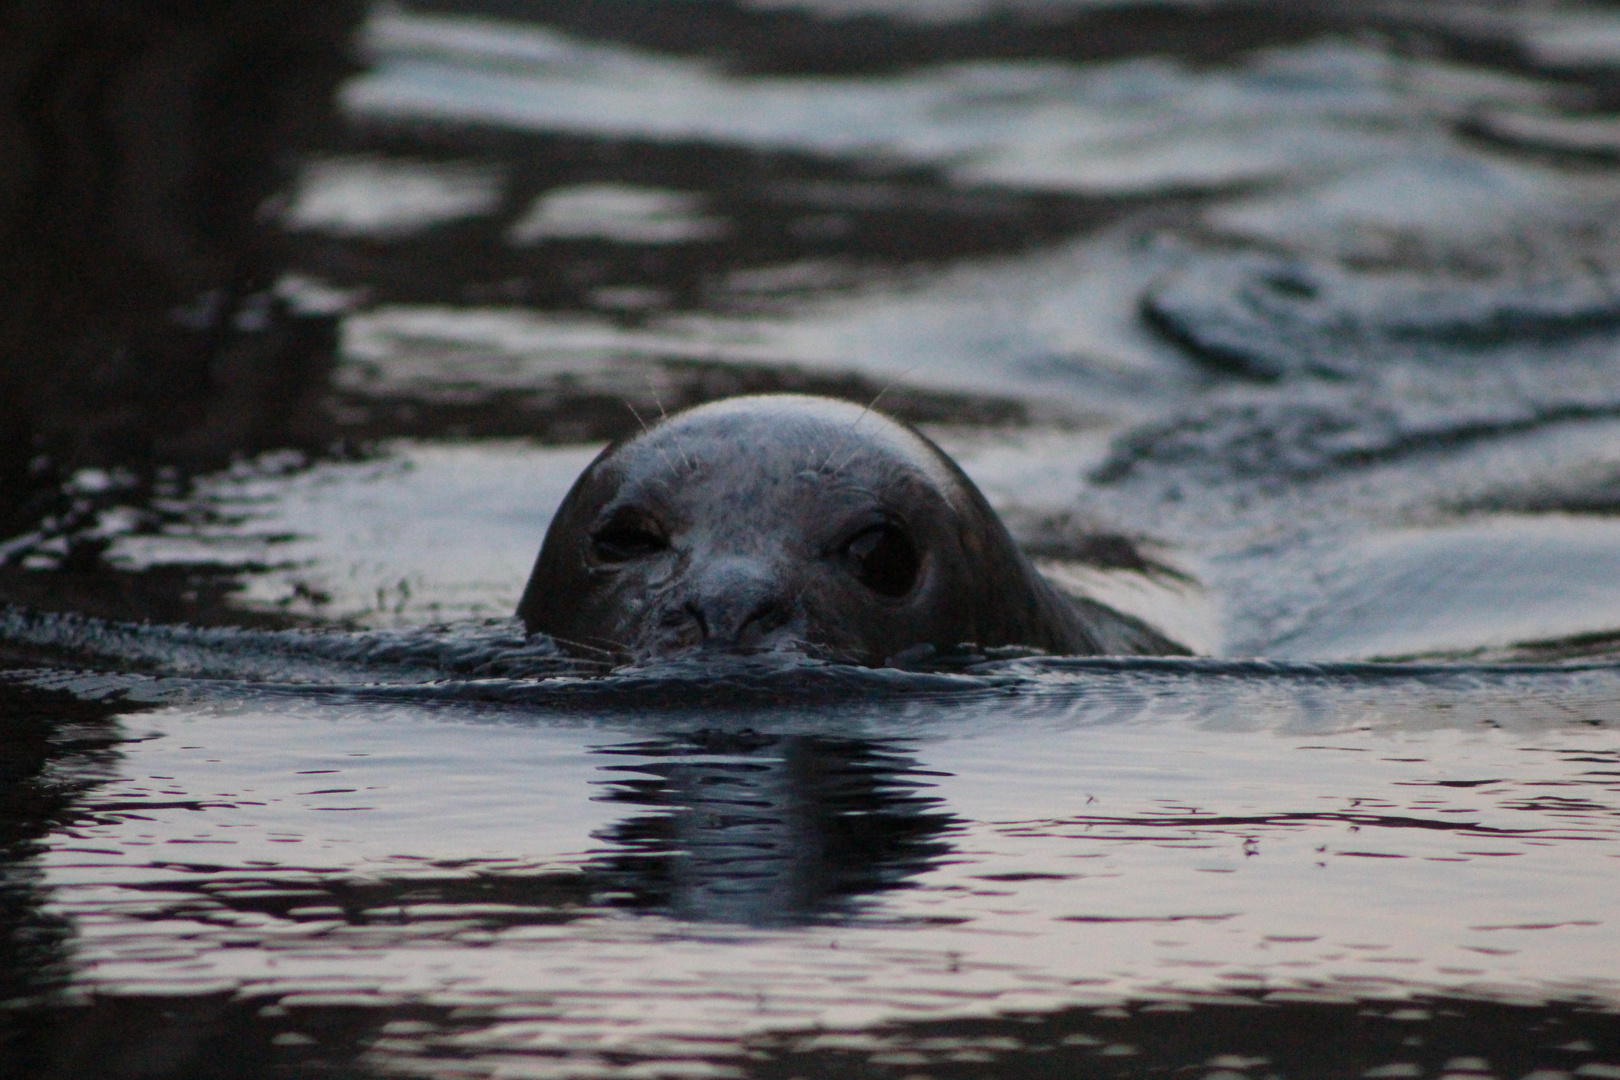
(794, 522)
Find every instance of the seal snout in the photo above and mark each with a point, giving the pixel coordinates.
(735, 604)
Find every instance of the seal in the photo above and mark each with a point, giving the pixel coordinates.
(792, 522)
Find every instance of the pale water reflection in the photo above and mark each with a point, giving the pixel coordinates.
(964, 856)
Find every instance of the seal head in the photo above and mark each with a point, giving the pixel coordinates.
(789, 522)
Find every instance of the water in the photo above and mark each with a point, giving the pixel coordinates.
(562, 882)
(1272, 348)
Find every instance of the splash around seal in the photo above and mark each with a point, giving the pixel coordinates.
(795, 523)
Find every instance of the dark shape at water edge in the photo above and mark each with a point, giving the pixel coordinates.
(54, 747)
(138, 142)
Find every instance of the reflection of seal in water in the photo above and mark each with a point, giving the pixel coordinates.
(795, 522)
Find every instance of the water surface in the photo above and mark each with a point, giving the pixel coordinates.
(1304, 352)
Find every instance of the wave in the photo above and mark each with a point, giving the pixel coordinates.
(492, 664)
(1343, 368)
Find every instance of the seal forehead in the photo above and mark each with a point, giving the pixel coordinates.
(774, 437)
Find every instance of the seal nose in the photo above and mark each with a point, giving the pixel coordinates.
(737, 604)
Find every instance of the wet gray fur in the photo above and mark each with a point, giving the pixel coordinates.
(741, 526)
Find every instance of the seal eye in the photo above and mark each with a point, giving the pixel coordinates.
(621, 541)
(884, 559)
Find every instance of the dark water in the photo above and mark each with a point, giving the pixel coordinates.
(1293, 332)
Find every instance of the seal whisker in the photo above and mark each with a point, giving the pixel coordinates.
(856, 422)
(662, 416)
(608, 654)
(645, 430)
(846, 433)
